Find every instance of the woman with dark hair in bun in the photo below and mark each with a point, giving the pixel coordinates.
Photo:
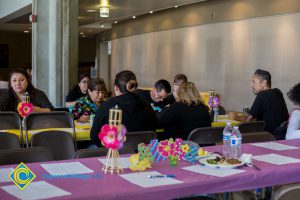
(137, 114)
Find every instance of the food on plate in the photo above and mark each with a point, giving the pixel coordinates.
(201, 152)
(232, 161)
(223, 161)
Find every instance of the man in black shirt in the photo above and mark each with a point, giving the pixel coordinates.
(269, 105)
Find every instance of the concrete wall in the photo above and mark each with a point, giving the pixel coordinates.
(220, 56)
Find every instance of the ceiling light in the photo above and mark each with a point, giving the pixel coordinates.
(102, 26)
(104, 8)
(116, 22)
(81, 33)
(151, 12)
(26, 31)
(91, 10)
(133, 17)
(175, 6)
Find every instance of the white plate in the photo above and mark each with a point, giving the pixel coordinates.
(203, 161)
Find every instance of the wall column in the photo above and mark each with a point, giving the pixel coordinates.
(55, 47)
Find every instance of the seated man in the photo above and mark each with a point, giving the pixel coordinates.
(269, 105)
(156, 96)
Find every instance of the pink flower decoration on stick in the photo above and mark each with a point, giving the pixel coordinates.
(25, 108)
(112, 138)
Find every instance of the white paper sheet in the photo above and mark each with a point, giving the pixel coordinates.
(276, 159)
(60, 169)
(212, 171)
(274, 146)
(35, 190)
(124, 162)
(141, 179)
(4, 172)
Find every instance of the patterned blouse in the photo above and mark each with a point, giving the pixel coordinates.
(83, 106)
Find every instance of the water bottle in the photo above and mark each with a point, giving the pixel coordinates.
(226, 139)
(235, 143)
(216, 113)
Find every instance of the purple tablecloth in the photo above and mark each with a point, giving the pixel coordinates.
(115, 187)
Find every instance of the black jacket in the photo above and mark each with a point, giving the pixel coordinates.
(137, 115)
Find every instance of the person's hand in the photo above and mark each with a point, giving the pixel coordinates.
(83, 118)
(232, 115)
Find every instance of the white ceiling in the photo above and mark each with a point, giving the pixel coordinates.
(90, 22)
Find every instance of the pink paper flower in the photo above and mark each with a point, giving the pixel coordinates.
(108, 136)
(24, 108)
(166, 149)
(111, 137)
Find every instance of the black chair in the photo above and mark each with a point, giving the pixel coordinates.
(135, 138)
(222, 110)
(27, 155)
(207, 135)
(9, 141)
(11, 120)
(262, 136)
(44, 120)
(89, 153)
(286, 192)
(254, 126)
(59, 143)
(3, 91)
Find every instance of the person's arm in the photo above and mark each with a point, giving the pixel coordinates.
(69, 104)
(241, 118)
(98, 122)
(39, 109)
(293, 130)
(254, 113)
(41, 102)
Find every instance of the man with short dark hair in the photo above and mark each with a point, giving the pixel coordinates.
(157, 95)
(269, 105)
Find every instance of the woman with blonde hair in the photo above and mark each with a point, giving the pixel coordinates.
(187, 113)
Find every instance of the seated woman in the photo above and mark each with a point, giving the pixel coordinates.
(19, 84)
(87, 105)
(79, 90)
(137, 114)
(293, 130)
(186, 114)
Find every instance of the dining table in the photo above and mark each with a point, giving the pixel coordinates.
(277, 163)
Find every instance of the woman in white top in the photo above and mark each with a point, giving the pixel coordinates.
(293, 130)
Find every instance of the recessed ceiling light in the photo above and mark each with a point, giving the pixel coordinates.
(26, 31)
(83, 36)
(175, 6)
(116, 22)
(91, 10)
(151, 12)
(133, 17)
(102, 26)
(81, 33)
